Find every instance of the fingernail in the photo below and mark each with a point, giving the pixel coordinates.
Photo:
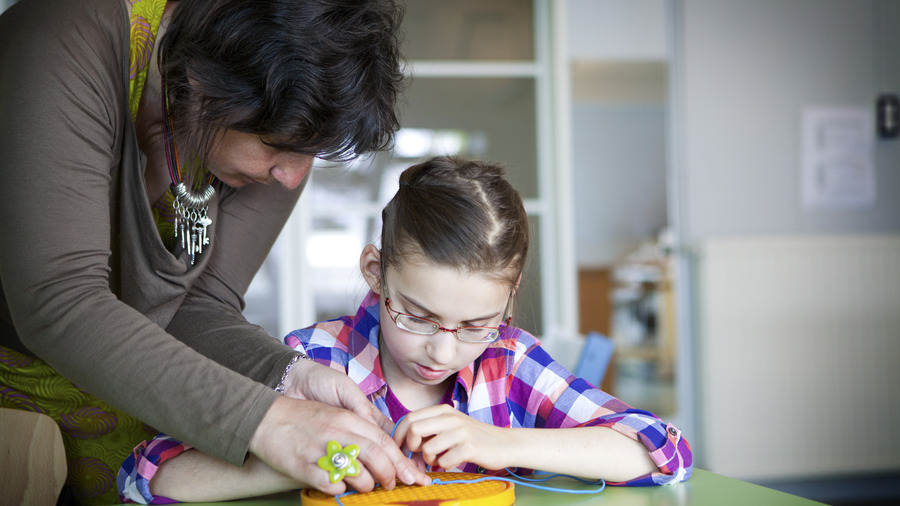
(407, 477)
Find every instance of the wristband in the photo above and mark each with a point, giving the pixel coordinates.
(287, 370)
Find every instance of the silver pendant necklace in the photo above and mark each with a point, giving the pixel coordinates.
(191, 217)
(191, 205)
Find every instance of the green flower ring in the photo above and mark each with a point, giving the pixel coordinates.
(340, 461)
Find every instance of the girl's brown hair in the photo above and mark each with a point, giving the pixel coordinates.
(458, 213)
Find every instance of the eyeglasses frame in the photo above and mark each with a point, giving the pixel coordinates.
(500, 328)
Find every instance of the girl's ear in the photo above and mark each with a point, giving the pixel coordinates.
(370, 266)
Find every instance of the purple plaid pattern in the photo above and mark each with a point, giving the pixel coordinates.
(134, 476)
(514, 383)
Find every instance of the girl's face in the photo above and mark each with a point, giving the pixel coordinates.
(239, 158)
(445, 295)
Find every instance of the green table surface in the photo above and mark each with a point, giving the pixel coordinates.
(704, 488)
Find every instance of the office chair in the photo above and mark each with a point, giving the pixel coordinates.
(596, 354)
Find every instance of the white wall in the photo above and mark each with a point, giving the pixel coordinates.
(800, 360)
(746, 71)
(749, 70)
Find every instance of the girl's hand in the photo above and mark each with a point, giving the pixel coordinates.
(448, 438)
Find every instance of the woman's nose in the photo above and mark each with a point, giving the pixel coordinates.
(292, 170)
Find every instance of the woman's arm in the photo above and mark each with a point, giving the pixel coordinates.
(66, 139)
(210, 318)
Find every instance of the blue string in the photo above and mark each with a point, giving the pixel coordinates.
(550, 476)
(518, 480)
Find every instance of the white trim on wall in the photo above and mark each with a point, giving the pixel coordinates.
(557, 169)
(685, 292)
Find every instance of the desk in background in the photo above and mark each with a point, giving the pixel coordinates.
(703, 489)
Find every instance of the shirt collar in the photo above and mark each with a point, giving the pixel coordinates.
(362, 343)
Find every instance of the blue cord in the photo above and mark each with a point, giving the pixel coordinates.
(408, 454)
(518, 480)
(550, 476)
(527, 483)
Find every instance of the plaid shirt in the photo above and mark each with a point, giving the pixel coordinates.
(514, 383)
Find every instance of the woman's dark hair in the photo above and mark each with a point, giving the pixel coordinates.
(458, 213)
(318, 77)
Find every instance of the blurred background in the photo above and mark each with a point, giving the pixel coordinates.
(707, 186)
(713, 184)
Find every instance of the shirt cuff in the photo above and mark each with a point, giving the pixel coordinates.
(671, 454)
(139, 468)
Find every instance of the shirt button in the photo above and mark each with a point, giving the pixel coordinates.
(673, 431)
(480, 470)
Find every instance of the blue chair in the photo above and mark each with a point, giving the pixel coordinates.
(594, 359)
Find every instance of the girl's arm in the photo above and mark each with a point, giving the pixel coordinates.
(164, 469)
(537, 394)
(448, 438)
(194, 477)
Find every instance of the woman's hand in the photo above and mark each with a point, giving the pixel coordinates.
(448, 438)
(294, 434)
(312, 381)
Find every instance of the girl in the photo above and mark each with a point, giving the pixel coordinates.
(432, 344)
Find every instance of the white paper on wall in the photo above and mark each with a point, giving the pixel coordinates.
(837, 167)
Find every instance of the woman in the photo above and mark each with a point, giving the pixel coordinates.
(150, 153)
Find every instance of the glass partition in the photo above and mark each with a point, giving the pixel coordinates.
(469, 30)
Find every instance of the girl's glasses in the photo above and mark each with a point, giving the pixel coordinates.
(426, 327)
